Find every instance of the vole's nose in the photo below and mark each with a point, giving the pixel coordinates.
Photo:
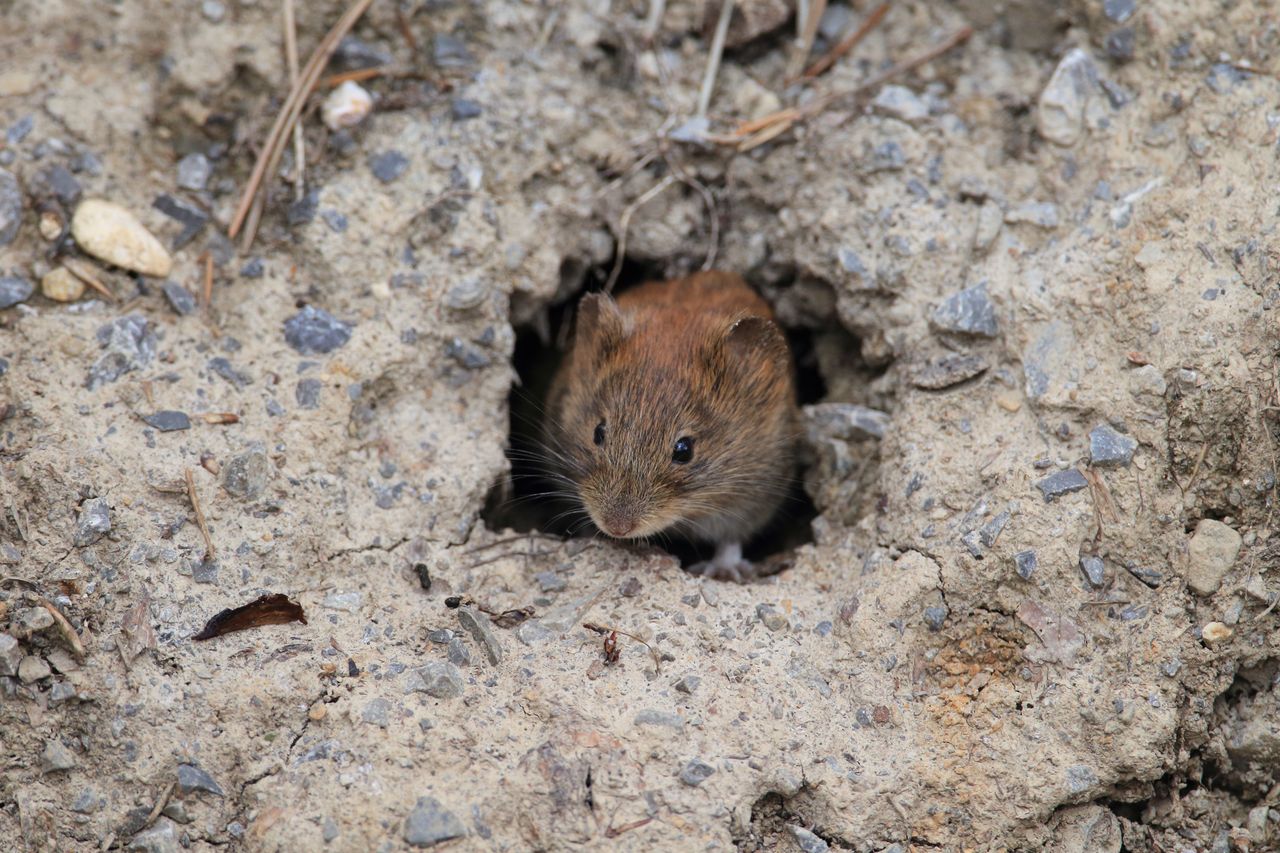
(618, 526)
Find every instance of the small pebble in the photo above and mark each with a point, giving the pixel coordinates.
(450, 52)
(1042, 214)
(900, 103)
(346, 106)
(463, 109)
(660, 719)
(194, 171)
(1216, 632)
(20, 129)
(935, 617)
(33, 669)
(1060, 109)
(1118, 11)
(807, 841)
(10, 655)
(93, 523)
(246, 475)
(180, 299)
(845, 421)
(773, 618)
(192, 218)
(193, 778)
(10, 207)
(430, 824)
(459, 654)
(688, 684)
(696, 772)
(947, 370)
(314, 331)
(441, 680)
(1095, 570)
(58, 182)
(168, 421)
(969, 311)
(33, 620)
(57, 758)
(111, 233)
(60, 285)
(307, 393)
(1211, 553)
(388, 166)
(377, 713)
(479, 627)
(1025, 562)
(347, 602)
(254, 268)
(630, 587)
(14, 289)
(1109, 447)
(1062, 483)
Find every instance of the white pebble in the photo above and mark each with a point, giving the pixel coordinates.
(346, 106)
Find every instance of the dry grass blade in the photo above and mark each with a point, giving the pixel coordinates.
(288, 117)
(808, 24)
(713, 57)
(206, 291)
(85, 273)
(625, 222)
(195, 505)
(847, 43)
(64, 628)
(291, 58)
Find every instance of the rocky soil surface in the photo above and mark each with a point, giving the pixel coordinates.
(1035, 282)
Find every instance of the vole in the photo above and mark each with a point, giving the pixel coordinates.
(675, 412)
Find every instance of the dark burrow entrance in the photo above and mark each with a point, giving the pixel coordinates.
(523, 501)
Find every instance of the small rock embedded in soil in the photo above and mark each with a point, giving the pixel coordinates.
(463, 109)
(1060, 111)
(1216, 632)
(94, 521)
(773, 618)
(1095, 570)
(459, 654)
(450, 52)
(1025, 563)
(189, 216)
(948, 370)
(57, 758)
(1042, 214)
(245, 476)
(430, 824)
(10, 207)
(130, 345)
(168, 421)
(192, 777)
(307, 393)
(1109, 447)
(845, 421)
(112, 234)
(180, 299)
(807, 841)
(346, 106)
(10, 655)
(314, 331)
(1062, 483)
(61, 285)
(900, 103)
(377, 712)
(441, 680)
(970, 312)
(479, 627)
(194, 171)
(935, 617)
(661, 719)
(696, 772)
(688, 684)
(990, 221)
(14, 289)
(1211, 553)
(388, 166)
(32, 669)
(57, 182)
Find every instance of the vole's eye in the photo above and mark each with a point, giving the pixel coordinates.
(598, 435)
(683, 451)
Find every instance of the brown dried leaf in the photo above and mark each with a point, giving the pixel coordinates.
(136, 633)
(275, 609)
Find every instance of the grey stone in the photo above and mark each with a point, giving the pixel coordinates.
(94, 521)
(463, 109)
(168, 421)
(20, 129)
(773, 618)
(253, 268)
(194, 171)
(355, 53)
(32, 669)
(531, 632)
(1080, 778)
(56, 182)
(10, 207)
(696, 772)
(1223, 77)
(441, 680)
(1120, 44)
(661, 719)
(549, 582)
(180, 299)
(223, 367)
(60, 692)
(377, 712)
(900, 103)
(430, 824)
(1109, 447)
(845, 421)
(1118, 11)
(57, 758)
(15, 289)
(33, 620)
(1025, 562)
(129, 345)
(1049, 364)
(1095, 570)
(10, 655)
(459, 654)
(1062, 483)
(1211, 553)
(246, 475)
(468, 294)
(1147, 380)
(990, 532)
(307, 393)
(314, 331)
(328, 830)
(1042, 214)
(688, 684)
(303, 210)
(479, 627)
(947, 370)
(807, 841)
(86, 802)
(886, 157)
(388, 166)
(336, 220)
(1060, 110)
(192, 218)
(160, 838)
(970, 312)
(347, 602)
(192, 778)
(450, 52)
(176, 811)
(935, 617)
(990, 221)
(466, 355)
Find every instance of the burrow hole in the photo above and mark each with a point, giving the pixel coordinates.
(519, 501)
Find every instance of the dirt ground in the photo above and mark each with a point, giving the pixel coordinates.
(1036, 609)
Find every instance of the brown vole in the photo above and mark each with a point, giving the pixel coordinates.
(675, 411)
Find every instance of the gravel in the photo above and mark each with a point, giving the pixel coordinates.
(947, 370)
(377, 712)
(441, 680)
(688, 684)
(10, 207)
(430, 824)
(181, 300)
(10, 655)
(1060, 110)
(970, 312)
(307, 393)
(192, 218)
(193, 778)
(194, 171)
(935, 617)
(57, 758)
(129, 345)
(168, 421)
(479, 627)
(807, 841)
(696, 772)
(314, 331)
(463, 109)
(388, 166)
(1062, 483)
(1107, 447)
(1211, 553)
(845, 421)
(15, 289)
(32, 669)
(245, 476)
(773, 618)
(1025, 562)
(459, 654)
(1095, 570)
(94, 521)
(56, 182)
(450, 52)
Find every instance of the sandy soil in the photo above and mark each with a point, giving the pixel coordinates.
(1035, 613)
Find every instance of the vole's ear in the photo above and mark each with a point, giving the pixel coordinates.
(601, 326)
(752, 337)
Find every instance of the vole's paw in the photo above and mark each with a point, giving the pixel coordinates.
(727, 565)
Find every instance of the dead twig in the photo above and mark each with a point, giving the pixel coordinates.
(615, 831)
(713, 57)
(606, 631)
(161, 802)
(64, 627)
(291, 59)
(84, 272)
(206, 292)
(847, 43)
(708, 199)
(210, 553)
(402, 21)
(269, 158)
(807, 31)
(625, 221)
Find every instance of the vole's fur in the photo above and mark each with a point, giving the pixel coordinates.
(701, 358)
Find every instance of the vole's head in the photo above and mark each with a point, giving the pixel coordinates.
(668, 425)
